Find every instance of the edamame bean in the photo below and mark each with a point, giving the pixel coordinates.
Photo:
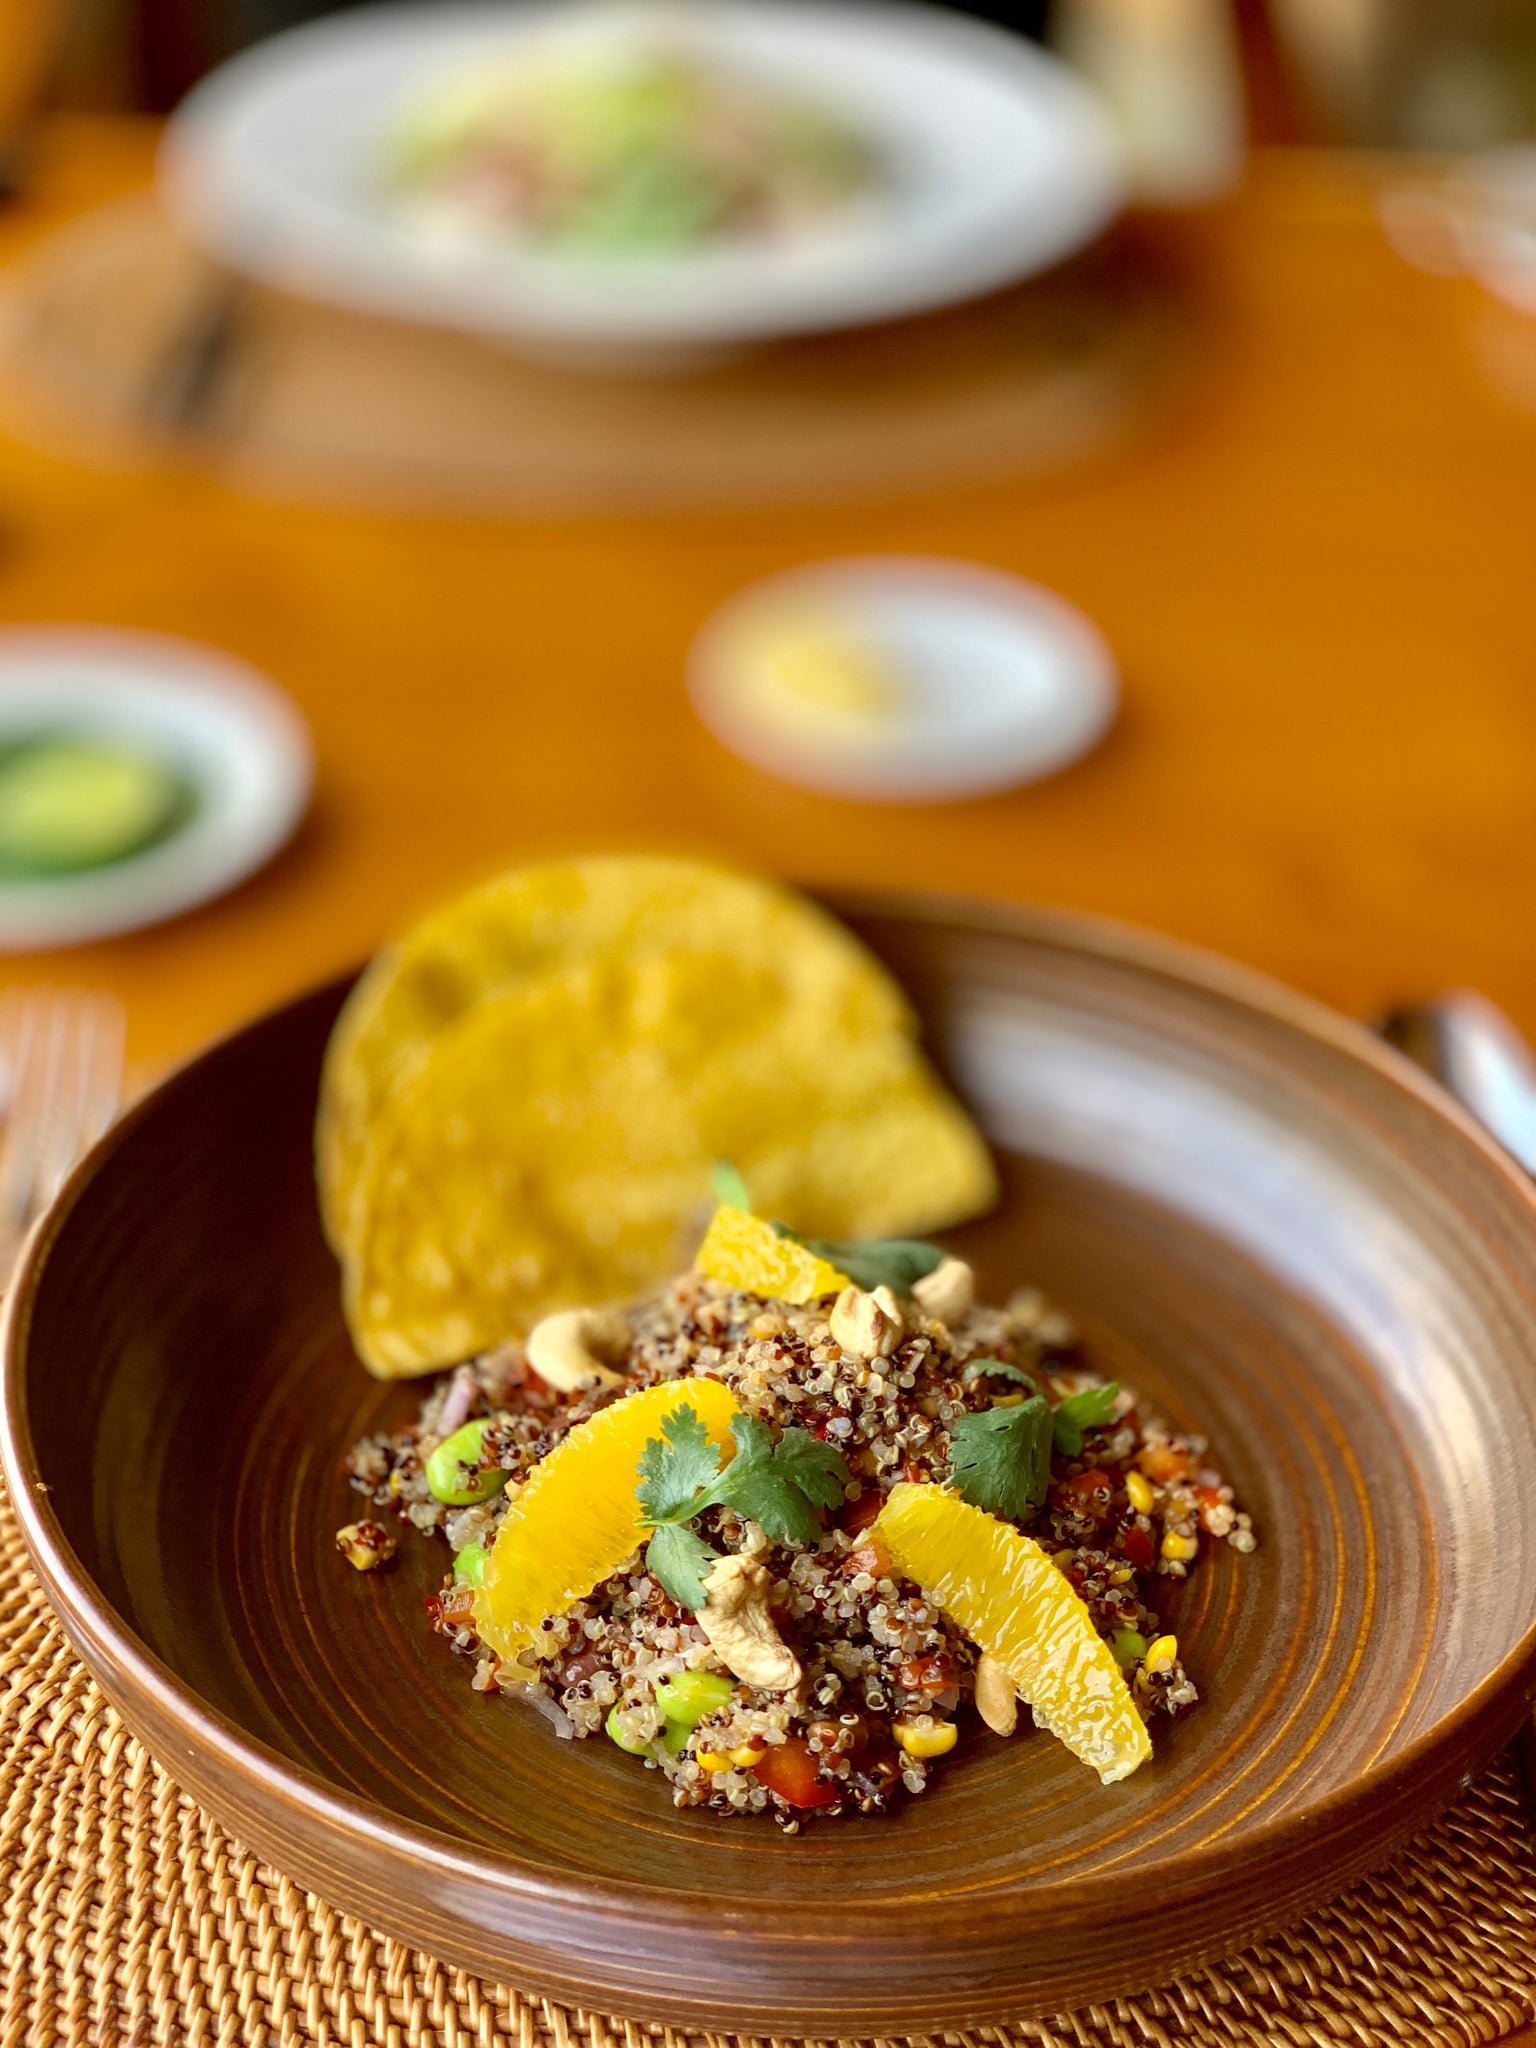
(1128, 1645)
(688, 1697)
(469, 1565)
(616, 1734)
(452, 1474)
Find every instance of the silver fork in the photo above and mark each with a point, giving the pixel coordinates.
(61, 1082)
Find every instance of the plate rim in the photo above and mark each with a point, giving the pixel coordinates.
(200, 186)
(126, 1668)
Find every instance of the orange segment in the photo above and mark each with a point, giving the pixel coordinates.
(1013, 1602)
(741, 1250)
(575, 1518)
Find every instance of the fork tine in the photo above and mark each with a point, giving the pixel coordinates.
(25, 1039)
(87, 1030)
(54, 1064)
(58, 1118)
(91, 1039)
(62, 1054)
(104, 1079)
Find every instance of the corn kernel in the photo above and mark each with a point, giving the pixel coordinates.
(1181, 1548)
(711, 1760)
(1162, 1654)
(365, 1545)
(1139, 1489)
(936, 1740)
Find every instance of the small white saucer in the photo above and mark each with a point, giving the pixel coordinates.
(236, 739)
(1003, 682)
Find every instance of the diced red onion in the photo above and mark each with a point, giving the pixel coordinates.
(461, 1391)
(557, 1718)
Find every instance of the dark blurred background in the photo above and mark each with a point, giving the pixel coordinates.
(1435, 74)
(148, 52)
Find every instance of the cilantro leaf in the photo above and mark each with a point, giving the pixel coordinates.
(781, 1484)
(1082, 1411)
(673, 1471)
(783, 1512)
(997, 1369)
(1000, 1459)
(729, 1187)
(680, 1560)
(762, 1482)
(871, 1262)
(816, 1468)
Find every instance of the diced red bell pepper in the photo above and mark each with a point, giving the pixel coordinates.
(860, 1513)
(1163, 1462)
(1137, 1549)
(1086, 1493)
(933, 1672)
(454, 1608)
(870, 1555)
(789, 1769)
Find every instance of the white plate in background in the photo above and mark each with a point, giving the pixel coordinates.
(236, 739)
(1002, 165)
(1004, 681)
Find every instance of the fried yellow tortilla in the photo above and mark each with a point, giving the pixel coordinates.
(546, 1135)
(512, 930)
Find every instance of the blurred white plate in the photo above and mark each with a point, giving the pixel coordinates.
(1002, 165)
(236, 739)
(1004, 682)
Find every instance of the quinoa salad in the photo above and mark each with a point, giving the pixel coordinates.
(822, 1664)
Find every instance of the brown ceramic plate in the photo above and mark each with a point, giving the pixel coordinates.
(1260, 1217)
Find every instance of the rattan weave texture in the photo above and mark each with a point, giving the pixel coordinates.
(131, 1918)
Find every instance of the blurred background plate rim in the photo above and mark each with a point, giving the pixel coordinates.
(128, 1670)
(255, 217)
(156, 685)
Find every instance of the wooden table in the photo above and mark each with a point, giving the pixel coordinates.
(1315, 570)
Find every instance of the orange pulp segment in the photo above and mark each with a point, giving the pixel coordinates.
(1012, 1602)
(742, 1250)
(575, 1518)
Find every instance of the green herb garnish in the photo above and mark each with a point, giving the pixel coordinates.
(997, 1369)
(780, 1485)
(1083, 1411)
(1000, 1459)
(730, 1189)
(871, 1262)
(681, 1561)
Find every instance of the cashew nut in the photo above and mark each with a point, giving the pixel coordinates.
(567, 1350)
(740, 1629)
(868, 1325)
(997, 1700)
(948, 1293)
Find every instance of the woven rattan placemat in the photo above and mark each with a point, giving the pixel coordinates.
(111, 329)
(130, 1917)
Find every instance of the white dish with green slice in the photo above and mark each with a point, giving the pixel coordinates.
(139, 775)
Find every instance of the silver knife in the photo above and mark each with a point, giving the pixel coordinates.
(1476, 1054)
